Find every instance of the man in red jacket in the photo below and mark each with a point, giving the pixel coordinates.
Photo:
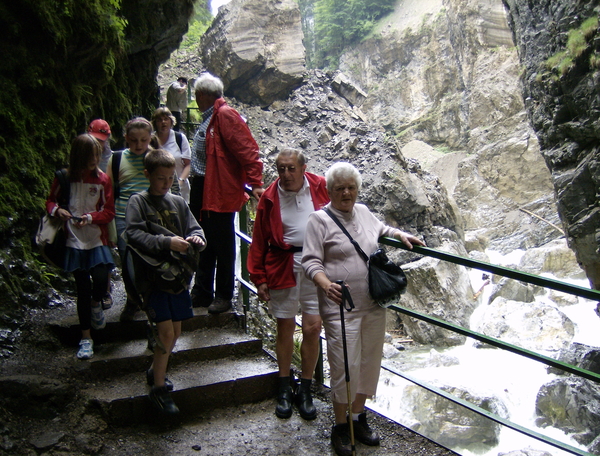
(225, 158)
(274, 263)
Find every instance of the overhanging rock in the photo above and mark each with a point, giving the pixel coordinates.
(255, 47)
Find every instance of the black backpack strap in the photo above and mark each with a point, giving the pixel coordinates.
(360, 251)
(178, 139)
(65, 187)
(116, 164)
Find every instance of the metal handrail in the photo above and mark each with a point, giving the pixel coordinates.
(498, 270)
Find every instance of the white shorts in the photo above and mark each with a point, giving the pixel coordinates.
(284, 303)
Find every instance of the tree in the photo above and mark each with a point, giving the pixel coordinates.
(341, 23)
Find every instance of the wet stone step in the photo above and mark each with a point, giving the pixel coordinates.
(118, 358)
(68, 332)
(198, 386)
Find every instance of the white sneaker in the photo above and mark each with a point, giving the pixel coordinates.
(86, 349)
(98, 320)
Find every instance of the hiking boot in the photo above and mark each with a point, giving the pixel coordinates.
(150, 380)
(340, 439)
(284, 398)
(98, 321)
(161, 399)
(107, 301)
(304, 402)
(363, 432)
(86, 349)
(219, 305)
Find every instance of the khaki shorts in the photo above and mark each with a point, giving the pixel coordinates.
(284, 303)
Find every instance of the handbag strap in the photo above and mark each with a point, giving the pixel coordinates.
(360, 251)
(165, 220)
(346, 297)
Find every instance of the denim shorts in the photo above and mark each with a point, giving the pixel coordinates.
(163, 306)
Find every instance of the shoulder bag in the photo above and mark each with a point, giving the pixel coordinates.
(387, 280)
(172, 271)
(51, 235)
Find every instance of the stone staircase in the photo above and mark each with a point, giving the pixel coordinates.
(215, 364)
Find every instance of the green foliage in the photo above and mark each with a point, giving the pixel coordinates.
(579, 42)
(576, 43)
(200, 22)
(63, 64)
(340, 23)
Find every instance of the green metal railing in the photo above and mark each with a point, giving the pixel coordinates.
(470, 263)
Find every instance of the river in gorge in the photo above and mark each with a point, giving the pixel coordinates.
(486, 372)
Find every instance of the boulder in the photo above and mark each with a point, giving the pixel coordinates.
(579, 355)
(347, 89)
(534, 326)
(255, 47)
(555, 258)
(440, 289)
(450, 424)
(570, 404)
(513, 290)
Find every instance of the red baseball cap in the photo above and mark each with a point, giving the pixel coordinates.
(99, 129)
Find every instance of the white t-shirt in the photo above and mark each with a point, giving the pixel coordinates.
(295, 209)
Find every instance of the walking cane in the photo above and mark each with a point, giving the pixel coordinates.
(347, 298)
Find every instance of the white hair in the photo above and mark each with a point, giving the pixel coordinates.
(342, 170)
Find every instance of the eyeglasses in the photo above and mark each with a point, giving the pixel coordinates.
(283, 169)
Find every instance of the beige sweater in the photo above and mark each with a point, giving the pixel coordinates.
(327, 249)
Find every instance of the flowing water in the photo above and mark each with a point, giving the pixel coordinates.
(514, 379)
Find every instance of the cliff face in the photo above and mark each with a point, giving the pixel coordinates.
(561, 88)
(64, 64)
(444, 74)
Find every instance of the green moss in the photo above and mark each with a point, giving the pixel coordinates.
(589, 27)
(63, 64)
(578, 43)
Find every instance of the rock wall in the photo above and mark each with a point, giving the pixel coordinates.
(561, 89)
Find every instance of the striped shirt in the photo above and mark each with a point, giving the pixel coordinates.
(131, 179)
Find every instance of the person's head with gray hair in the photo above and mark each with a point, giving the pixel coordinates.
(342, 171)
(289, 152)
(210, 85)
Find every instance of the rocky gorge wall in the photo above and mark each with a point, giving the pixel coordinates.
(561, 88)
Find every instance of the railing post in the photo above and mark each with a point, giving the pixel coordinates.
(243, 220)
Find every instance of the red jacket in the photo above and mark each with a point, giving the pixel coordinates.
(231, 161)
(275, 266)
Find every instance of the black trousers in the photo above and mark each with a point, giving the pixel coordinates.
(177, 115)
(216, 269)
(91, 285)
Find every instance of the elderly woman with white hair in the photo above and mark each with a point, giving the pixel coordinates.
(329, 256)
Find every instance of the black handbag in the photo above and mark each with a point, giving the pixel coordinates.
(387, 280)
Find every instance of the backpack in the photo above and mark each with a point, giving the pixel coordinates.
(116, 164)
